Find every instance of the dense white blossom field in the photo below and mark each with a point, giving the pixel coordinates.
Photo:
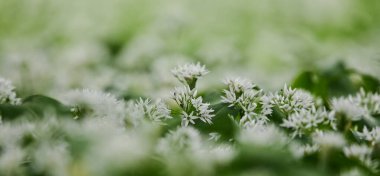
(189, 87)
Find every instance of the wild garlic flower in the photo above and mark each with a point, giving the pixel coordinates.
(299, 150)
(362, 153)
(372, 136)
(370, 101)
(360, 106)
(188, 74)
(155, 111)
(328, 139)
(307, 121)
(263, 135)
(91, 103)
(192, 106)
(291, 100)
(357, 151)
(248, 98)
(7, 93)
(349, 108)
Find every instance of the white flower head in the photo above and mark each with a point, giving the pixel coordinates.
(188, 74)
(361, 153)
(155, 111)
(372, 136)
(357, 151)
(328, 139)
(93, 103)
(292, 100)
(263, 135)
(7, 93)
(349, 108)
(192, 106)
(299, 150)
(247, 97)
(307, 121)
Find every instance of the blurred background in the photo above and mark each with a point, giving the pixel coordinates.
(128, 47)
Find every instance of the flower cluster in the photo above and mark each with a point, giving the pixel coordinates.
(186, 97)
(361, 106)
(362, 153)
(155, 111)
(91, 103)
(7, 93)
(291, 100)
(372, 136)
(248, 98)
(188, 74)
(307, 121)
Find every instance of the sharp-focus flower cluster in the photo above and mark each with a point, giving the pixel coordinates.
(248, 98)
(186, 97)
(188, 74)
(291, 100)
(7, 93)
(192, 106)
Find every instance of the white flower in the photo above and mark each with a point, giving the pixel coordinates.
(370, 101)
(91, 103)
(306, 121)
(263, 135)
(361, 106)
(247, 97)
(188, 74)
(214, 136)
(202, 110)
(362, 153)
(155, 111)
(183, 95)
(328, 139)
(357, 151)
(349, 108)
(238, 85)
(183, 138)
(193, 107)
(7, 93)
(292, 100)
(372, 136)
(299, 150)
(11, 160)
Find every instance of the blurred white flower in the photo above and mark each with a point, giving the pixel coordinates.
(357, 151)
(307, 121)
(328, 139)
(188, 74)
(53, 159)
(91, 103)
(7, 93)
(361, 153)
(299, 150)
(155, 111)
(349, 108)
(372, 136)
(11, 160)
(263, 135)
(360, 106)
